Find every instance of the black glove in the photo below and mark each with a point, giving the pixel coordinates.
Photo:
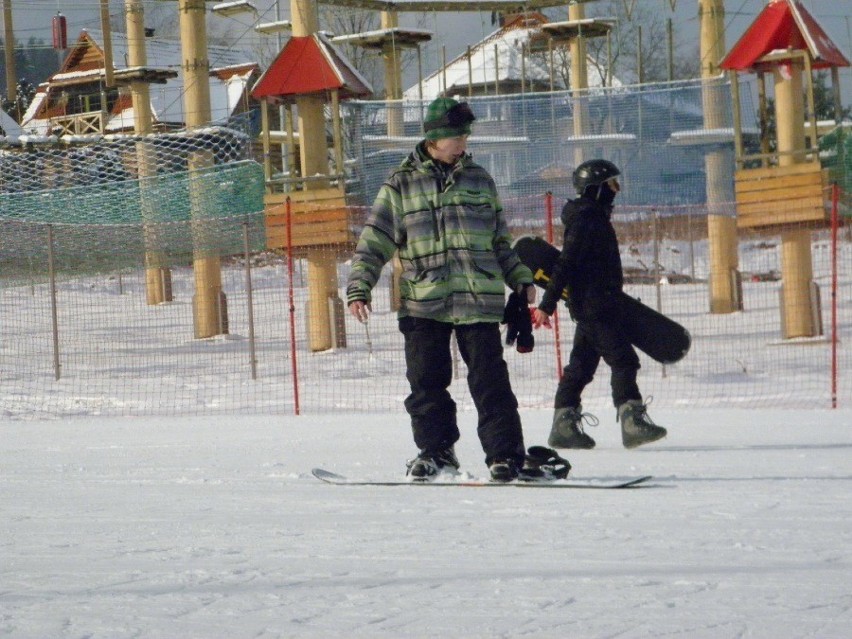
(516, 317)
(573, 309)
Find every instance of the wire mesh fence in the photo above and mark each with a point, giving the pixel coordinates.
(530, 143)
(95, 347)
(77, 243)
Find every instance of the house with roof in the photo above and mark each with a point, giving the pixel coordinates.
(76, 100)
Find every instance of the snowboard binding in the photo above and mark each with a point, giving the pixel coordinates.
(542, 463)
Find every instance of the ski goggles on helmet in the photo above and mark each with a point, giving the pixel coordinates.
(613, 184)
(456, 117)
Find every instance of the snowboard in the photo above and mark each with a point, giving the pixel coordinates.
(658, 336)
(468, 482)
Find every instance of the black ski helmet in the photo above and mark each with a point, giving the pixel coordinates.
(594, 173)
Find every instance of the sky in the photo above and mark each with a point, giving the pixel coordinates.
(456, 31)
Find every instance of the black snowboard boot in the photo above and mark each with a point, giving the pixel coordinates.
(567, 429)
(503, 470)
(429, 463)
(636, 427)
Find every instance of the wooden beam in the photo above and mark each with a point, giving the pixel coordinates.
(513, 6)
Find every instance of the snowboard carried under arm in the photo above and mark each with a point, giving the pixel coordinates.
(656, 335)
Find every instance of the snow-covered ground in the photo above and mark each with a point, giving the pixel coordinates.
(210, 527)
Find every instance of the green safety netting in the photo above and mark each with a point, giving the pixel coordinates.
(835, 152)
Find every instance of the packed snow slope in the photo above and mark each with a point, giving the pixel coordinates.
(213, 527)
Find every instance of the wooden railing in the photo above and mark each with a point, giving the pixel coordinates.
(80, 124)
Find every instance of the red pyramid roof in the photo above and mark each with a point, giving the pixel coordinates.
(310, 64)
(784, 24)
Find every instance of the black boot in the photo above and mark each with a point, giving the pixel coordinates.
(567, 429)
(636, 427)
(428, 464)
(503, 470)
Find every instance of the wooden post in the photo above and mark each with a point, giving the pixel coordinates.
(158, 278)
(790, 113)
(763, 118)
(337, 132)
(9, 44)
(208, 304)
(290, 154)
(393, 74)
(669, 49)
(109, 78)
(444, 68)
(420, 75)
(796, 259)
(322, 269)
(718, 165)
(469, 72)
(579, 79)
(396, 122)
(267, 142)
(496, 70)
(835, 89)
(550, 64)
(812, 119)
(733, 78)
(609, 72)
(54, 306)
(249, 302)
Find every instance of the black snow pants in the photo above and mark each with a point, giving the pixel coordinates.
(595, 339)
(429, 373)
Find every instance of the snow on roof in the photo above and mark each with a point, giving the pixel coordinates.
(29, 125)
(8, 124)
(231, 70)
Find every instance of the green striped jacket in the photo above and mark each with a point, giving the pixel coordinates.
(452, 238)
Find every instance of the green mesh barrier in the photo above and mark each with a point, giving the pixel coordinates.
(213, 192)
(835, 152)
(169, 218)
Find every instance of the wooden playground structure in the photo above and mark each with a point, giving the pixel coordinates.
(787, 192)
(784, 194)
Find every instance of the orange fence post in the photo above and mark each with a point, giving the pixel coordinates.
(548, 205)
(835, 223)
(292, 306)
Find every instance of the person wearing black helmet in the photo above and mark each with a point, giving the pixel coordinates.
(590, 266)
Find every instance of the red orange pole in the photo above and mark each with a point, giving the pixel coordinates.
(292, 307)
(548, 206)
(835, 196)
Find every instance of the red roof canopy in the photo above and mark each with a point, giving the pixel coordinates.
(310, 64)
(782, 25)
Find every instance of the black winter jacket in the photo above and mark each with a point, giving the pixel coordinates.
(589, 264)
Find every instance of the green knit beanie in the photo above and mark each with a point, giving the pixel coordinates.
(447, 118)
